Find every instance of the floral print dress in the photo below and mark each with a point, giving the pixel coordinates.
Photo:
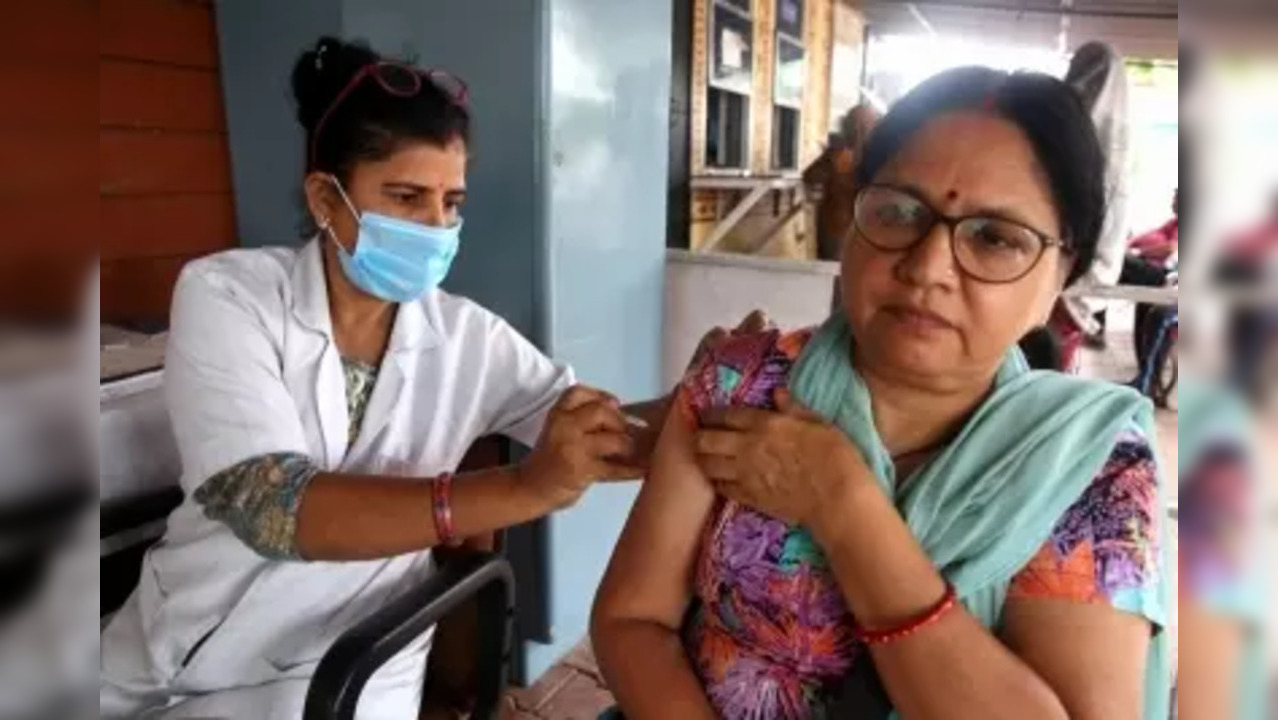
(770, 635)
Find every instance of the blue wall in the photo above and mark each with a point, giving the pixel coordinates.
(566, 216)
(608, 100)
(258, 43)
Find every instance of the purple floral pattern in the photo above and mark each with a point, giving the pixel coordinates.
(771, 635)
(1104, 549)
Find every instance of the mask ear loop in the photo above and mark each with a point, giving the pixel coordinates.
(337, 184)
(351, 206)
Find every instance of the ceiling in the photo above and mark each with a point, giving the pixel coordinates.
(1137, 28)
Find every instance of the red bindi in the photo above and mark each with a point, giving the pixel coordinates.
(951, 195)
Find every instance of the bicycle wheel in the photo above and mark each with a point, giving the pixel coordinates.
(1166, 376)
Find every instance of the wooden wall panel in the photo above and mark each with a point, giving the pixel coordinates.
(138, 290)
(47, 174)
(167, 32)
(164, 177)
(162, 163)
(144, 184)
(158, 226)
(142, 96)
(46, 95)
(49, 225)
(51, 30)
(40, 163)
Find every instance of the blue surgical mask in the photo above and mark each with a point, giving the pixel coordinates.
(397, 260)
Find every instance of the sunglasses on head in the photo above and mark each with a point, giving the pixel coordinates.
(399, 80)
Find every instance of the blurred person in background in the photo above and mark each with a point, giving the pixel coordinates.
(1153, 248)
(829, 182)
(829, 179)
(1098, 75)
(1149, 262)
(1249, 261)
(1222, 590)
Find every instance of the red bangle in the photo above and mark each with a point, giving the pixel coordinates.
(879, 637)
(441, 504)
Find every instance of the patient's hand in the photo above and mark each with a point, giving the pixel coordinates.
(757, 321)
(653, 412)
(790, 463)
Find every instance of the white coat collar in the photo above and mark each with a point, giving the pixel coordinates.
(417, 327)
(416, 324)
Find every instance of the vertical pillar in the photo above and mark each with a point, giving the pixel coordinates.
(607, 131)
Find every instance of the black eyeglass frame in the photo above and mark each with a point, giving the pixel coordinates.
(952, 223)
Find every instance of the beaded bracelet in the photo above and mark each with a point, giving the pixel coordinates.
(441, 505)
(880, 637)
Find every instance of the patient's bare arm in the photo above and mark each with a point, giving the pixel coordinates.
(651, 414)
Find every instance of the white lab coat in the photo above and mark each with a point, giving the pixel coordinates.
(1109, 111)
(214, 629)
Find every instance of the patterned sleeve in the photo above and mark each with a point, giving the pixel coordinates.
(1219, 533)
(742, 371)
(1105, 549)
(258, 499)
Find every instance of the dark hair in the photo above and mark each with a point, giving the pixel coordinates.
(1089, 71)
(1042, 349)
(1045, 109)
(369, 123)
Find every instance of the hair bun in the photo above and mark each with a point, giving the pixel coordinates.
(322, 72)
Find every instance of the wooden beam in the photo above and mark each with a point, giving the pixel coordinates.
(700, 68)
(765, 52)
(739, 212)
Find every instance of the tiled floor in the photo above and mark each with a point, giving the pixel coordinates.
(574, 690)
(1117, 362)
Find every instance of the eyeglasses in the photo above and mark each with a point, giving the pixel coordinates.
(986, 249)
(395, 79)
